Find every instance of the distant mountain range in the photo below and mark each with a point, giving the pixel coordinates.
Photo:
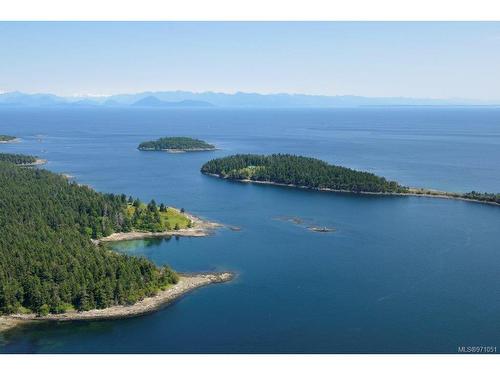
(186, 99)
(153, 101)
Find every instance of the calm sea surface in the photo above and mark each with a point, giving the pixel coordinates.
(400, 274)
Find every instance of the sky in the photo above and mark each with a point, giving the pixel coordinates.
(379, 59)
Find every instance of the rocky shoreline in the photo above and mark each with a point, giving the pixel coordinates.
(186, 284)
(179, 150)
(200, 228)
(35, 163)
(413, 192)
(15, 140)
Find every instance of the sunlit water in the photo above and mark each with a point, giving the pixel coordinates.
(400, 274)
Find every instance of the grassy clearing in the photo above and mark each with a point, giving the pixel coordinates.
(169, 218)
(173, 217)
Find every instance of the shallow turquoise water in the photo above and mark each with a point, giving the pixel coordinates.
(400, 274)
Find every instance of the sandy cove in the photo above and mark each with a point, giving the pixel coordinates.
(200, 228)
(413, 192)
(187, 283)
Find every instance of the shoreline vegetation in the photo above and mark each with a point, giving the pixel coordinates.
(9, 139)
(185, 284)
(176, 145)
(284, 170)
(199, 228)
(49, 262)
(22, 160)
(35, 163)
(412, 192)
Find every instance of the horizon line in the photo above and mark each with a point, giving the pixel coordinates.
(96, 96)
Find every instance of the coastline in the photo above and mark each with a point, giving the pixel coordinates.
(15, 140)
(37, 162)
(413, 192)
(200, 228)
(178, 150)
(186, 284)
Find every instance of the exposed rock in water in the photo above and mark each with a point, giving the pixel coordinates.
(321, 229)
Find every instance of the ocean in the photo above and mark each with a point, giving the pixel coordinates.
(399, 274)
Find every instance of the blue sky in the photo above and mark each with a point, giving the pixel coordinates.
(441, 60)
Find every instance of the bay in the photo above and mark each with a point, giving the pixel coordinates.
(399, 274)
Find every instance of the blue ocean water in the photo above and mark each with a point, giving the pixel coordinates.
(400, 274)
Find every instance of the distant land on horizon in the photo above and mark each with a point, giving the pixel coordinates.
(187, 99)
(153, 101)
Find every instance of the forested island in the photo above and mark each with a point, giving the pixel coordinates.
(310, 173)
(298, 171)
(7, 138)
(176, 144)
(48, 263)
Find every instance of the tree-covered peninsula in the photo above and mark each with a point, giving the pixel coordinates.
(176, 144)
(7, 138)
(47, 260)
(470, 196)
(312, 173)
(298, 171)
(18, 159)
